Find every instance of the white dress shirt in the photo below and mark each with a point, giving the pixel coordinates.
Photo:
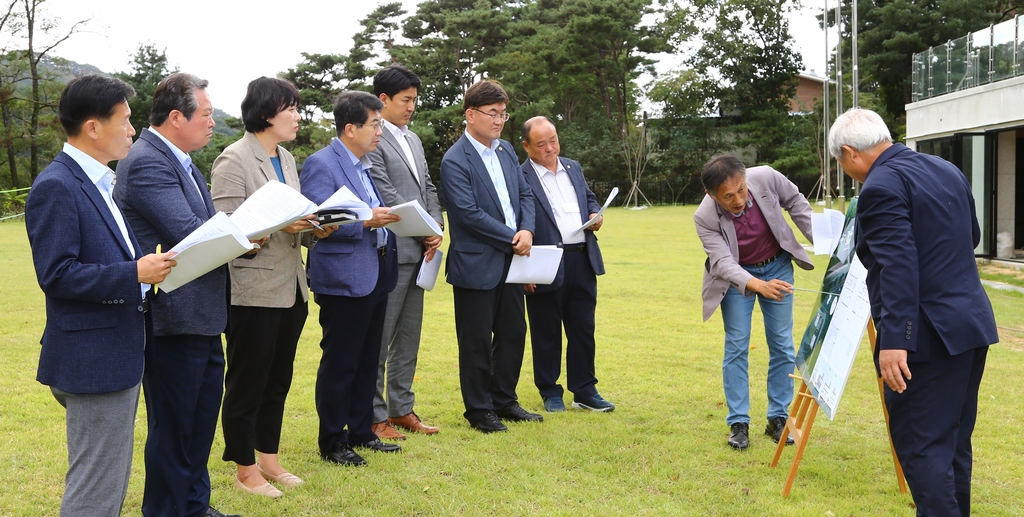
(493, 165)
(561, 196)
(401, 134)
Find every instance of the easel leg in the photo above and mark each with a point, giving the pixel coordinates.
(900, 479)
(798, 425)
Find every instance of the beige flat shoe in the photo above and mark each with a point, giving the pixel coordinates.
(265, 489)
(285, 479)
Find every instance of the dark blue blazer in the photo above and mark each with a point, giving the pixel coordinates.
(476, 224)
(547, 230)
(162, 205)
(95, 331)
(916, 234)
(346, 262)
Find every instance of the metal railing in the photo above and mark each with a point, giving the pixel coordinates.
(982, 57)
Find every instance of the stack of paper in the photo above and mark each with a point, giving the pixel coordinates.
(416, 222)
(272, 207)
(592, 220)
(427, 276)
(538, 268)
(211, 245)
(344, 199)
(827, 229)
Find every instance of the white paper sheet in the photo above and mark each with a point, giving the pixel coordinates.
(539, 268)
(427, 276)
(416, 222)
(213, 244)
(611, 196)
(272, 207)
(344, 198)
(827, 228)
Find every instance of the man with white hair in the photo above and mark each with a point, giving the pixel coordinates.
(916, 234)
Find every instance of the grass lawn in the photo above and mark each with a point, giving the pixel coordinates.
(661, 452)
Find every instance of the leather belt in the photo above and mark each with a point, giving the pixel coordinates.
(765, 262)
(580, 247)
(145, 305)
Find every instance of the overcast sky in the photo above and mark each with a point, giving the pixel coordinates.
(231, 42)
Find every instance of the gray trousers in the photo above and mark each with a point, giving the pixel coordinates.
(101, 436)
(400, 345)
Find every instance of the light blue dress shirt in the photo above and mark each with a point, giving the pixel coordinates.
(493, 165)
(363, 164)
(183, 158)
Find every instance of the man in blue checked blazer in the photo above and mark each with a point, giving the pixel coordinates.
(95, 277)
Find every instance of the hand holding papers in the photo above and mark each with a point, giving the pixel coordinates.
(415, 222)
(540, 267)
(344, 201)
(271, 208)
(611, 196)
(427, 276)
(827, 229)
(211, 245)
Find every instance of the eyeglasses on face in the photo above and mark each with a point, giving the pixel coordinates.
(503, 115)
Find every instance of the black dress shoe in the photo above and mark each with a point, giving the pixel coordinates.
(342, 454)
(516, 413)
(739, 439)
(212, 512)
(487, 423)
(775, 427)
(379, 446)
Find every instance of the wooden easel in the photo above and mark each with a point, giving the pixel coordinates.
(801, 421)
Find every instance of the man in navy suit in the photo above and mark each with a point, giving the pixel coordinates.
(351, 273)
(165, 198)
(490, 218)
(563, 203)
(916, 234)
(90, 268)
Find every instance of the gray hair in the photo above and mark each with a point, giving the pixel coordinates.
(858, 128)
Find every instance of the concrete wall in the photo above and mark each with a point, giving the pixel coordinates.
(986, 107)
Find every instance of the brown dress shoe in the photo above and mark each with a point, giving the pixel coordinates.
(413, 423)
(385, 431)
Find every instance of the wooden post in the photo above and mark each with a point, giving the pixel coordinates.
(798, 425)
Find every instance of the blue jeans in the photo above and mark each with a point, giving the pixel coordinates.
(778, 328)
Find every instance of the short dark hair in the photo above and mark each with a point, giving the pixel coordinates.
(484, 93)
(719, 169)
(176, 92)
(90, 96)
(394, 78)
(529, 125)
(352, 107)
(264, 99)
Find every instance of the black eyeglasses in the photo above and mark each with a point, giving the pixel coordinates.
(503, 115)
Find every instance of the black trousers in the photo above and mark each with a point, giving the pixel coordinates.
(491, 330)
(260, 356)
(931, 424)
(571, 305)
(347, 378)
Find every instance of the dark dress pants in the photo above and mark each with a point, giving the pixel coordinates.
(571, 305)
(260, 355)
(183, 384)
(931, 424)
(491, 330)
(347, 378)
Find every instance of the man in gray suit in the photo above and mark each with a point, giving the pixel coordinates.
(750, 251)
(400, 172)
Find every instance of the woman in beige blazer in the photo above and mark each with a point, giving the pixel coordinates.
(268, 291)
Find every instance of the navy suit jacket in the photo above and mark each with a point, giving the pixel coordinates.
(162, 205)
(346, 262)
(916, 234)
(547, 230)
(476, 223)
(95, 331)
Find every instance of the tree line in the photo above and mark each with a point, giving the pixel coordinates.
(590, 65)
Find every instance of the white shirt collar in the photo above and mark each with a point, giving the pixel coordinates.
(397, 131)
(481, 148)
(93, 169)
(542, 170)
(182, 156)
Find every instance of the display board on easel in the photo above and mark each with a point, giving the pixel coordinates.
(839, 319)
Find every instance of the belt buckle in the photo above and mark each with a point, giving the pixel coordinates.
(383, 250)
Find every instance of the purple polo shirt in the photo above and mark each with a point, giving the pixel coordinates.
(755, 239)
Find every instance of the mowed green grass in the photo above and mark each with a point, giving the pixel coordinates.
(661, 452)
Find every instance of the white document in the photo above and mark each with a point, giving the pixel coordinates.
(272, 207)
(212, 245)
(827, 228)
(427, 276)
(539, 268)
(839, 347)
(416, 222)
(615, 192)
(346, 200)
